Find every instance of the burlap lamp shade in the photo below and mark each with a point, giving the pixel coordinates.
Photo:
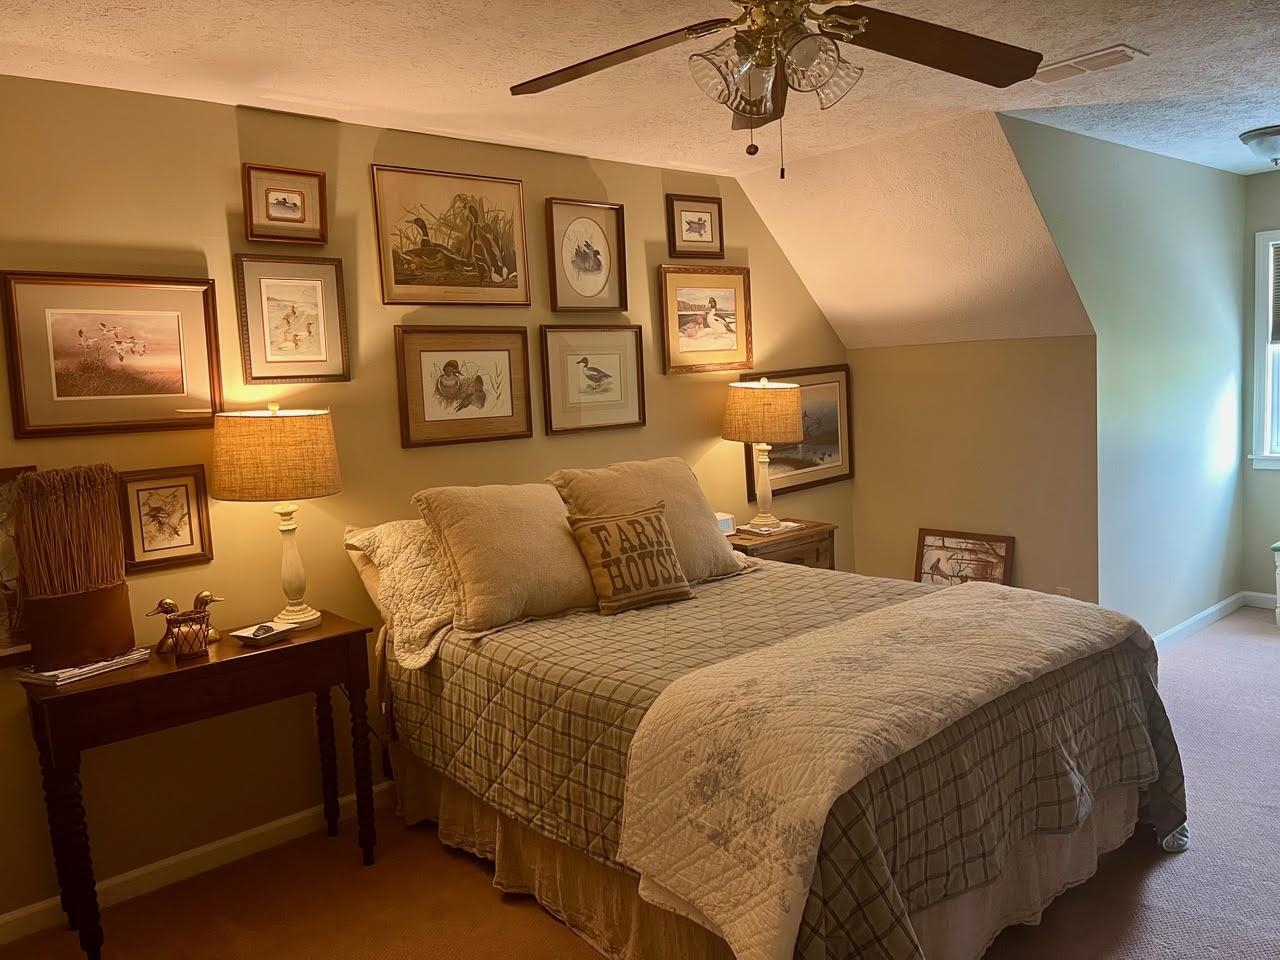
(278, 455)
(760, 413)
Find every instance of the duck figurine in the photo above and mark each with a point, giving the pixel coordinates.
(166, 607)
(201, 603)
(596, 378)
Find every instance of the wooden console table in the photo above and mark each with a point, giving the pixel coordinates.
(164, 693)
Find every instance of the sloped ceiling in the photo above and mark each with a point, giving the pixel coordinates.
(927, 237)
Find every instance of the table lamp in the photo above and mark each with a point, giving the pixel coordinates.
(281, 455)
(761, 413)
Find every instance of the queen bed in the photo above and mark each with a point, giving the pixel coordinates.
(519, 743)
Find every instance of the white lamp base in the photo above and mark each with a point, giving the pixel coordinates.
(764, 521)
(293, 579)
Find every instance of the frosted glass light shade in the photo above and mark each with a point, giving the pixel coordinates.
(714, 70)
(842, 81)
(727, 74)
(809, 59)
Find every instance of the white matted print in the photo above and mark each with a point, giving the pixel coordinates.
(284, 204)
(293, 320)
(465, 384)
(287, 205)
(695, 226)
(586, 255)
(115, 354)
(593, 377)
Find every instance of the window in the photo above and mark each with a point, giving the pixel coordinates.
(1266, 367)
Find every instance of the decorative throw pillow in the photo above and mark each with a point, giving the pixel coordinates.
(632, 560)
(510, 551)
(704, 552)
(401, 568)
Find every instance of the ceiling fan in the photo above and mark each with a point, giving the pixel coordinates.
(781, 45)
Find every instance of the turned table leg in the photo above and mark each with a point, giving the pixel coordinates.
(363, 763)
(78, 859)
(328, 759)
(56, 814)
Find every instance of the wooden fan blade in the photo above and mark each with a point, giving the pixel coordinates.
(942, 48)
(612, 59)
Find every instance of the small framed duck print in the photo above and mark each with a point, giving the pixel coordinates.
(592, 377)
(285, 205)
(695, 226)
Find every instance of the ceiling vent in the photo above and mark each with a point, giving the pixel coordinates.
(1111, 57)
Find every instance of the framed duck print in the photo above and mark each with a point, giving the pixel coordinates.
(948, 557)
(285, 205)
(293, 321)
(825, 455)
(592, 377)
(165, 517)
(586, 255)
(695, 226)
(706, 318)
(93, 353)
(462, 384)
(450, 237)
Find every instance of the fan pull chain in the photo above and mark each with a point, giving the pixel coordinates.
(782, 153)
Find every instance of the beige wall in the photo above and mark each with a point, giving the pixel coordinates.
(985, 436)
(1261, 487)
(100, 181)
(1153, 247)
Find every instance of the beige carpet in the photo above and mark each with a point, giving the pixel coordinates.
(310, 900)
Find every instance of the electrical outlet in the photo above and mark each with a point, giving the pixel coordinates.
(1063, 591)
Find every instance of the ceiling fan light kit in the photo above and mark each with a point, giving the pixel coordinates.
(783, 45)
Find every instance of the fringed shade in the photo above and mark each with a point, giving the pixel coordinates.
(274, 455)
(762, 412)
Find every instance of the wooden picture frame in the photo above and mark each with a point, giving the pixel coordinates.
(695, 226)
(164, 514)
(595, 238)
(827, 405)
(714, 332)
(462, 384)
(609, 386)
(961, 557)
(307, 341)
(284, 204)
(422, 215)
(12, 643)
(105, 353)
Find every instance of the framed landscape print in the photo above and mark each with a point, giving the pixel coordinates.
(293, 321)
(592, 377)
(165, 517)
(586, 255)
(462, 384)
(947, 557)
(450, 237)
(93, 353)
(695, 226)
(706, 318)
(285, 205)
(825, 455)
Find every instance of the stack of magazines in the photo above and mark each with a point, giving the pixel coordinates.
(56, 678)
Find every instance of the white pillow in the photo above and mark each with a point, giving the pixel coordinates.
(400, 567)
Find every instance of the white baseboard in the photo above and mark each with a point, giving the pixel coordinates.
(1223, 608)
(48, 913)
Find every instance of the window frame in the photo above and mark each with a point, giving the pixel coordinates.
(1263, 458)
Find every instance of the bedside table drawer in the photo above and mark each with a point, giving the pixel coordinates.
(816, 553)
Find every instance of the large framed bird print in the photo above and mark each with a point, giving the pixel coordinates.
(592, 377)
(462, 384)
(450, 237)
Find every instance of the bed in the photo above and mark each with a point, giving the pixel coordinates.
(516, 744)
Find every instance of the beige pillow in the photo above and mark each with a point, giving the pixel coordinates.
(704, 552)
(632, 561)
(510, 552)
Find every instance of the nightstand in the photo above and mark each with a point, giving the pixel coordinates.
(814, 545)
(163, 693)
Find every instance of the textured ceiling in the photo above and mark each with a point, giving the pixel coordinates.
(444, 67)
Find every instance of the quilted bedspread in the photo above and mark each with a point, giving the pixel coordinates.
(734, 769)
(538, 722)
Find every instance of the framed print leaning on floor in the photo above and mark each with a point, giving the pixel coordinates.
(293, 319)
(592, 377)
(95, 353)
